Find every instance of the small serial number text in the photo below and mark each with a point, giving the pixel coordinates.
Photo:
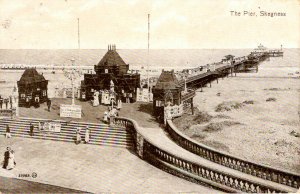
(33, 175)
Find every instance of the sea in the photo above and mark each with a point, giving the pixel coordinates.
(156, 61)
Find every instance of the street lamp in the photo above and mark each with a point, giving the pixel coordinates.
(72, 82)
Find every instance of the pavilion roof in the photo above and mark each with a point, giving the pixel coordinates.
(112, 58)
(31, 76)
(167, 80)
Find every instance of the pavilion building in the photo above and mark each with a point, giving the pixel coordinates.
(166, 92)
(111, 70)
(32, 88)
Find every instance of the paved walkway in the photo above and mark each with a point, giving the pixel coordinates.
(161, 140)
(90, 168)
(139, 111)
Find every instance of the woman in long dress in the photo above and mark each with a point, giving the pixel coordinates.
(87, 135)
(96, 99)
(105, 117)
(78, 136)
(11, 160)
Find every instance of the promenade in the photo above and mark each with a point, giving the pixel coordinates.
(88, 168)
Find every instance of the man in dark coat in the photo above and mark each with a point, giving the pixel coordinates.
(31, 128)
(1, 102)
(6, 103)
(49, 104)
(11, 102)
(6, 157)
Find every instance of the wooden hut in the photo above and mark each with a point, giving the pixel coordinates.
(111, 69)
(32, 88)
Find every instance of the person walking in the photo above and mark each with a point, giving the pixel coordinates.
(112, 115)
(6, 103)
(78, 136)
(11, 160)
(7, 134)
(11, 102)
(48, 104)
(87, 135)
(105, 117)
(6, 157)
(1, 102)
(31, 130)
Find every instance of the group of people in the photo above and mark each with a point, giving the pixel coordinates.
(6, 101)
(36, 102)
(110, 115)
(87, 135)
(9, 162)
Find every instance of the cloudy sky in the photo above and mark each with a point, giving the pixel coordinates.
(188, 24)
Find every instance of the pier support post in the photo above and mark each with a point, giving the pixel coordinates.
(201, 89)
(217, 80)
(210, 84)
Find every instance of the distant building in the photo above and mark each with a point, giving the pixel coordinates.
(32, 88)
(111, 69)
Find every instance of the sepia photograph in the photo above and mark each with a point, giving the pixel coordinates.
(149, 96)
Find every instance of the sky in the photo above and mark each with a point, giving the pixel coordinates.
(174, 24)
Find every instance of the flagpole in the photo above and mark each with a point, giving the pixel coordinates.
(148, 52)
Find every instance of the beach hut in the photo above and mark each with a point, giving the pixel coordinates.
(32, 88)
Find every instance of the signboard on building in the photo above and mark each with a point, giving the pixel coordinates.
(72, 111)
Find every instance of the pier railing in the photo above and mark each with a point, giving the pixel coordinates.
(258, 170)
(185, 168)
(190, 94)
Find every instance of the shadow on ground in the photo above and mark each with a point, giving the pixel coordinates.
(146, 108)
(12, 185)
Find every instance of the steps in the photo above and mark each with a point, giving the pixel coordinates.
(101, 134)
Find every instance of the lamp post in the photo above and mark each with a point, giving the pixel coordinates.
(72, 75)
(72, 82)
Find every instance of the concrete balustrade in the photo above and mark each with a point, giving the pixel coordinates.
(184, 167)
(261, 171)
